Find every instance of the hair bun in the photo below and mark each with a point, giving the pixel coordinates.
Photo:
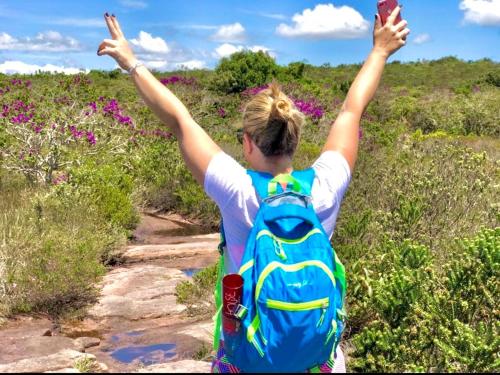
(280, 110)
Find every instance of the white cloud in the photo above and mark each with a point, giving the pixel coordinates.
(227, 49)
(481, 12)
(13, 67)
(6, 39)
(263, 49)
(191, 64)
(421, 39)
(326, 21)
(48, 41)
(147, 43)
(230, 33)
(134, 4)
(156, 64)
(157, 54)
(273, 16)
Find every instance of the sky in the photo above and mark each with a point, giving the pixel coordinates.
(166, 35)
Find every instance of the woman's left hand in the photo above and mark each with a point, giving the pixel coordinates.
(389, 38)
(117, 47)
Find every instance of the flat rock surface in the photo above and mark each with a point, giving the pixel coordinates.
(205, 246)
(137, 324)
(87, 342)
(186, 366)
(24, 326)
(63, 359)
(139, 292)
(14, 349)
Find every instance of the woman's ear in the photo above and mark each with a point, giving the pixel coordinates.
(248, 143)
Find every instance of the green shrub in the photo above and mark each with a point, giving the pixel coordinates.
(295, 70)
(52, 251)
(243, 70)
(165, 183)
(198, 294)
(109, 187)
(493, 78)
(445, 316)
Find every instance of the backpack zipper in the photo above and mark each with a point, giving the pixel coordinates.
(278, 249)
(322, 304)
(298, 306)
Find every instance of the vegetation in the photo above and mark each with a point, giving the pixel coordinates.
(87, 364)
(418, 230)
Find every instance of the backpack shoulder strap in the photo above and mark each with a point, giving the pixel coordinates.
(260, 181)
(306, 180)
(217, 318)
(298, 181)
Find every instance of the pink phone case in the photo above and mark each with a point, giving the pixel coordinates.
(385, 8)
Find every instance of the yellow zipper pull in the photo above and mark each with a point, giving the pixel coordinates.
(322, 317)
(332, 331)
(278, 248)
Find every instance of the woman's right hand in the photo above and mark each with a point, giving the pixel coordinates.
(389, 38)
(117, 47)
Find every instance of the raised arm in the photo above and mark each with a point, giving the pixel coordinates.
(344, 134)
(196, 146)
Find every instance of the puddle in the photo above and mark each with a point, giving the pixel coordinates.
(147, 355)
(119, 336)
(115, 338)
(134, 333)
(190, 272)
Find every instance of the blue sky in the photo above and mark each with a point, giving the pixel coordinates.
(169, 34)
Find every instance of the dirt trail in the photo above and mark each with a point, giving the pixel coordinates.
(136, 324)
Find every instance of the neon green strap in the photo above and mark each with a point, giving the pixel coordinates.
(283, 178)
(290, 268)
(339, 273)
(298, 306)
(218, 302)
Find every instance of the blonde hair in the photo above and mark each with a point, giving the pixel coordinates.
(273, 122)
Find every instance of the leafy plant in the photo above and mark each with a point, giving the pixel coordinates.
(243, 70)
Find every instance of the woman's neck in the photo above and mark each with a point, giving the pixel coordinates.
(275, 165)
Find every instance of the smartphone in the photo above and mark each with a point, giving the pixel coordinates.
(385, 8)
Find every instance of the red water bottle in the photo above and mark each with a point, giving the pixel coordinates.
(232, 290)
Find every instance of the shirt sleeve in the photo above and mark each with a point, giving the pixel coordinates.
(228, 184)
(333, 172)
(225, 178)
(332, 180)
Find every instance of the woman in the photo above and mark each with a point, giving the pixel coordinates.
(271, 131)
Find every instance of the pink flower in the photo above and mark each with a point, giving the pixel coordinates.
(91, 138)
(221, 112)
(60, 179)
(254, 90)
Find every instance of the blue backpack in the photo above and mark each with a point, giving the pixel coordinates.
(294, 285)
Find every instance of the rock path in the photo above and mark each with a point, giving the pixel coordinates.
(136, 326)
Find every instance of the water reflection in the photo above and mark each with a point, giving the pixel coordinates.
(148, 355)
(191, 271)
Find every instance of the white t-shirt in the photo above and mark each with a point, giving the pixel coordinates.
(229, 185)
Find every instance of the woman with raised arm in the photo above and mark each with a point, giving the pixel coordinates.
(271, 132)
